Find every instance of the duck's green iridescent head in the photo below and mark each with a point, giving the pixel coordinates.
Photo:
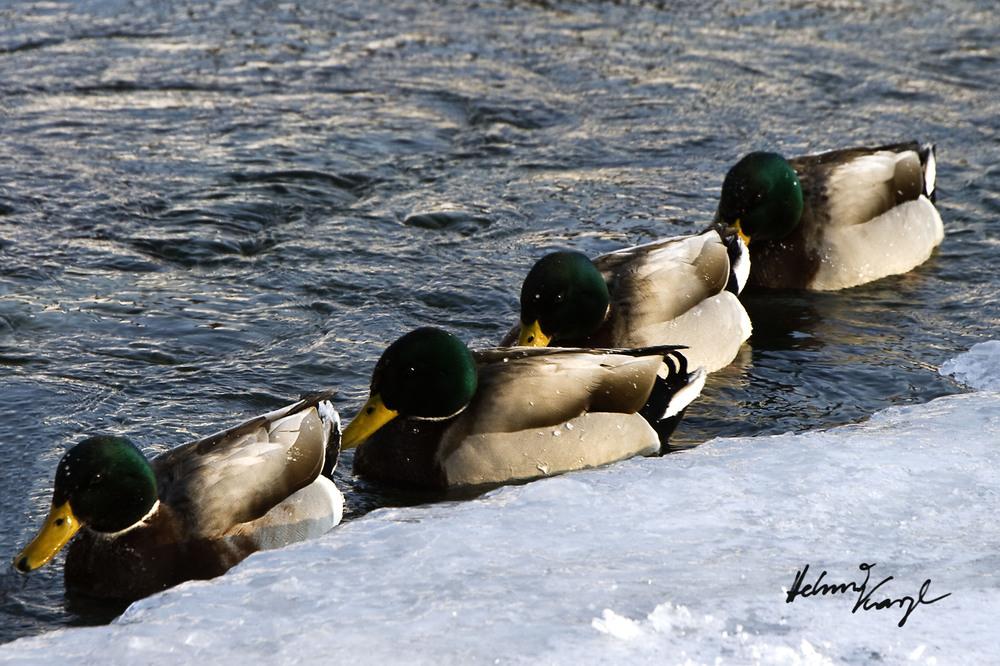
(104, 483)
(761, 198)
(427, 373)
(563, 300)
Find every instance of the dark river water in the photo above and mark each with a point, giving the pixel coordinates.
(209, 207)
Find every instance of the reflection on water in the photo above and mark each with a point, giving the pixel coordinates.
(821, 359)
(207, 209)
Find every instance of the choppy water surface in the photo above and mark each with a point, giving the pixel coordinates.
(208, 208)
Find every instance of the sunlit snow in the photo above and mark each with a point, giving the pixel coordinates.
(977, 368)
(689, 558)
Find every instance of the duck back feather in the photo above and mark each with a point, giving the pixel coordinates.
(675, 292)
(238, 475)
(537, 411)
(867, 213)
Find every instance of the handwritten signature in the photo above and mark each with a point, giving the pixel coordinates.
(865, 601)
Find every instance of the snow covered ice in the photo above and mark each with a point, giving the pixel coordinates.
(684, 559)
(978, 368)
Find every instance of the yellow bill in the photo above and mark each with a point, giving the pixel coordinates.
(743, 236)
(59, 528)
(532, 336)
(372, 416)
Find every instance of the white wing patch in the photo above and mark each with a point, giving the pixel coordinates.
(589, 440)
(741, 267)
(860, 189)
(930, 172)
(895, 242)
(687, 395)
(713, 330)
(305, 514)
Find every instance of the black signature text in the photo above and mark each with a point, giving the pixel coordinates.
(865, 601)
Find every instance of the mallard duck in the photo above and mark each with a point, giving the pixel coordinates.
(440, 415)
(193, 512)
(836, 219)
(677, 291)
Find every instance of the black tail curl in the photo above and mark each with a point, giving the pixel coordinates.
(664, 390)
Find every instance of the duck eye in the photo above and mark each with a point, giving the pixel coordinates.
(560, 297)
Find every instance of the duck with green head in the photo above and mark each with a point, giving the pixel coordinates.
(836, 219)
(439, 415)
(678, 291)
(192, 512)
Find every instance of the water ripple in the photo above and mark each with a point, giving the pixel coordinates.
(209, 208)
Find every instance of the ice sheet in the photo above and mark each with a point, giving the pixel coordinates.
(977, 368)
(682, 559)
